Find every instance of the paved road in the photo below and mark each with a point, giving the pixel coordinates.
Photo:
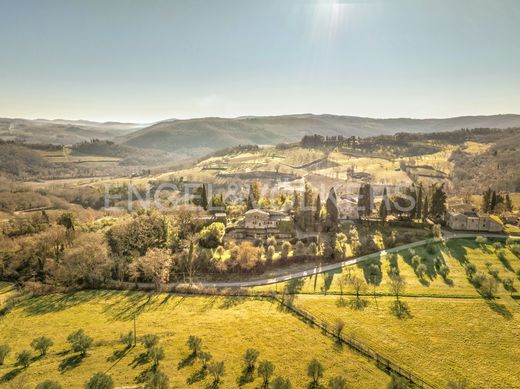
(326, 268)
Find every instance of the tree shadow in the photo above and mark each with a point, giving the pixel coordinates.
(139, 360)
(231, 302)
(197, 376)
(401, 310)
(188, 361)
(246, 377)
(295, 285)
(11, 374)
(58, 302)
(118, 354)
(501, 309)
(143, 376)
(70, 363)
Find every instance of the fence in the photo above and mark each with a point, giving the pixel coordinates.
(381, 361)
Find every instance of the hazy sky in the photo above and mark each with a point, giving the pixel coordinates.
(148, 60)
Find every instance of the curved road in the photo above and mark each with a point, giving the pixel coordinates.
(322, 269)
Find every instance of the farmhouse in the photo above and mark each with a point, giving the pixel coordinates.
(260, 222)
(472, 221)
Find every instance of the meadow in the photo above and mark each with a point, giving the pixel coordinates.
(226, 325)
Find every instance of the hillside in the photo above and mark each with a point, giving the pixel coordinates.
(197, 137)
(63, 132)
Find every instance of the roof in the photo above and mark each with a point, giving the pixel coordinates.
(258, 211)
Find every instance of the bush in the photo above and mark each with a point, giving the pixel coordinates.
(481, 239)
(471, 269)
(41, 344)
(281, 383)
(79, 341)
(444, 271)
(100, 381)
(23, 358)
(421, 270)
(127, 339)
(156, 379)
(150, 340)
(4, 350)
(397, 383)
(48, 384)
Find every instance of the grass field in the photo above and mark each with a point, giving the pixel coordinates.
(227, 326)
(454, 255)
(462, 336)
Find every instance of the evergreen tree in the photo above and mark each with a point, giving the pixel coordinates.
(365, 200)
(383, 209)
(486, 200)
(254, 195)
(318, 208)
(204, 198)
(438, 205)
(494, 201)
(332, 210)
(419, 202)
(509, 203)
(426, 209)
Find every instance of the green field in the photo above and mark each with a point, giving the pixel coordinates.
(227, 326)
(443, 338)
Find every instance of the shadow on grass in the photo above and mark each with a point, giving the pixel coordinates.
(246, 377)
(197, 376)
(501, 309)
(59, 302)
(70, 363)
(139, 360)
(188, 361)
(232, 301)
(11, 374)
(118, 354)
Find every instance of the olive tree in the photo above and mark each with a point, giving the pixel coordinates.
(41, 344)
(79, 341)
(100, 381)
(265, 370)
(315, 371)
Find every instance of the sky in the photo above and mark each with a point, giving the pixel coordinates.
(143, 61)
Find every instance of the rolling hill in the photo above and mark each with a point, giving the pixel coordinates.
(196, 137)
(63, 132)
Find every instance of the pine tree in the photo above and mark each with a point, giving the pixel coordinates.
(494, 201)
(438, 206)
(509, 203)
(204, 198)
(383, 209)
(419, 202)
(426, 209)
(332, 210)
(486, 200)
(318, 209)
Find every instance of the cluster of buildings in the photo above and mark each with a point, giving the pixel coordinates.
(465, 218)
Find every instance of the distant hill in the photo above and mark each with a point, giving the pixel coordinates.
(63, 132)
(196, 137)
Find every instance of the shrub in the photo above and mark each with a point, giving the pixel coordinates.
(509, 284)
(48, 384)
(281, 383)
(312, 250)
(338, 383)
(299, 248)
(265, 370)
(481, 239)
(156, 379)
(4, 350)
(444, 271)
(315, 371)
(41, 344)
(250, 357)
(286, 249)
(100, 381)
(150, 340)
(497, 245)
(79, 341)
(421, 270)
(397, 383)
(156, 354)
(416, 261)
(216, 369)
(127, 339)
(194, 344)
(471, 269)
(23, 358)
